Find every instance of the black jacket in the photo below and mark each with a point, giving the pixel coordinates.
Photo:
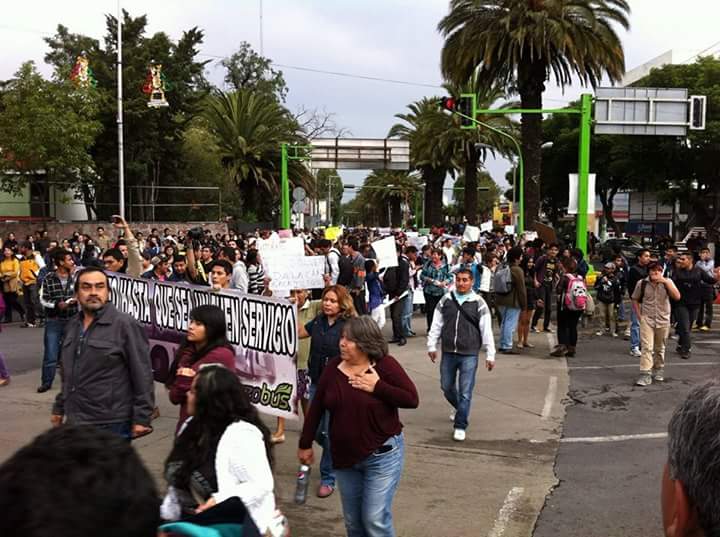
(107, 374)
(692, 285)
(397, 279)
(636, 273)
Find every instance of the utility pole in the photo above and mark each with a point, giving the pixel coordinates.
(121, 158)
(329, 202)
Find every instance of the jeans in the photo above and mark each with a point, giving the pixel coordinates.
(510, 318)
(322, 437)
(634, 330)
(685, 316)
(457, 380)
(430, 302)
(4, 373)
(367, 490)
(567, 321)
(621, 311)
(653, 346)
(123, 430)
(407, 314)
(544, 293)
(54, 331)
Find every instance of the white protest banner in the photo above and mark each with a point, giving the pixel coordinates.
(289, 272)
(262, 330)
(486, 226)
(293, 246)
(530, 235)
(417, 241)
(510, 230)
(386, 252)
(471, 234)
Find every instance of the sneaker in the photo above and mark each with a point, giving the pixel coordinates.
(627, 332)
(658, 375)
(534, 330)
(635, 352)
(599, 333)
(645, 379)
(685, 355)
(452, 416)
(673, 336)
(459, 435)
(28, 325)
(704, 328)
(615, 334)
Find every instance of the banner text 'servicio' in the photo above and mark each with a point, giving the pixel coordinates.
(262, 330)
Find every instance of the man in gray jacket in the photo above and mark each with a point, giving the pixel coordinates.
(463, 323)
(107, 376)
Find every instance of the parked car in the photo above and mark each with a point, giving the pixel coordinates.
(628, 248)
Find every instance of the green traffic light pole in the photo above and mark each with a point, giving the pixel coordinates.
(289, 152)
(585, 112)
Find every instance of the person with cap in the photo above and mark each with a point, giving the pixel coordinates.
(160, 270)
(609, 298)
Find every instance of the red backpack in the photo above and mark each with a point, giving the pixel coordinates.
(575, 298)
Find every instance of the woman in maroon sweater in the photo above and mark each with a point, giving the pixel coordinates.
(362, 390)
(206, 343)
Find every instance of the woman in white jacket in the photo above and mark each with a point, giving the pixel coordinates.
(222, 451)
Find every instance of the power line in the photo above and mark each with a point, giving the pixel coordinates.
(702, 52)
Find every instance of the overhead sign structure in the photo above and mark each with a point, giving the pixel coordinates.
(360, 154)
(648, 111)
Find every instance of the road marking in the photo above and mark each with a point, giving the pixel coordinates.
(506, 511)
(612, 438)
(549, 398)
(586, 367)
(552, 340)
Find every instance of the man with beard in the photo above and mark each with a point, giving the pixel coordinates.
(107, 379)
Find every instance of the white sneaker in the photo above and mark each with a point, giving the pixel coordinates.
(635, 352)
(599, 333)
(452, 416)
(459, 435)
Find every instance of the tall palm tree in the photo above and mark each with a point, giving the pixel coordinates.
(249, 128)
(472, 146)
(424, 126)
(391, 189)
(523, 42)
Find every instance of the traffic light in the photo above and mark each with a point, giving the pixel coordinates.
(464, 105)
(698, 105)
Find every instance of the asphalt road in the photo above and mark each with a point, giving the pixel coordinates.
(611, 487)
(22, 347)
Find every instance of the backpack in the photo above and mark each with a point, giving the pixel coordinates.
(576, 296)
(502, 280)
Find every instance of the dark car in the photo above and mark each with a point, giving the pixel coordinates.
(629, 248)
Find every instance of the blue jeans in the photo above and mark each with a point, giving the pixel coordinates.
(123, 429)
(54, 331)
(407, 313)
(466, 365)
(621, 311)
(322, 437)
(634, 330)
(367, 490)
(510, 318)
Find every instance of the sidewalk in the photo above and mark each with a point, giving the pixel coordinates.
(494, 483)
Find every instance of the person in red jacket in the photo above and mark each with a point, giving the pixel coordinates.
(206, 343)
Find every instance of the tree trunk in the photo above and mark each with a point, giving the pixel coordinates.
(471, 183)
(531, 84)
(607, 198)
(434, 179)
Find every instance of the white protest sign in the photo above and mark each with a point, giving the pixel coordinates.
(486, 226)
(293, 246)
(471, 234)
(386, 252)
(293, 272)
(510, 230)
(417, 241)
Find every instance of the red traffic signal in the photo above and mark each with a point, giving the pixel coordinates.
(448, 103)
(464, 106)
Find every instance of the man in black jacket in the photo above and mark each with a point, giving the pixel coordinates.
(107, 377)
(689, 280)
(396, 283)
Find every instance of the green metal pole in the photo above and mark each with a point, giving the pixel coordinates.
(284, 189)
(583, 172)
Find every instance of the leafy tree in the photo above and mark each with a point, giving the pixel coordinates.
(246, 69)
(486, 194)
(431, 153)
(153, 137)
(386, 191)
(249, 128)
(46, 130)
(520, 43)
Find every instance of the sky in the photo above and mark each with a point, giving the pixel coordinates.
(389, 39)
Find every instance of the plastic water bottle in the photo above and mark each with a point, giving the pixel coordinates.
(303, 482)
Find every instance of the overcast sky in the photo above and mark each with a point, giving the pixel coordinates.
(391, 39)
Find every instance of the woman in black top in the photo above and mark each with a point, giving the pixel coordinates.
(528, 266)
(325, 331)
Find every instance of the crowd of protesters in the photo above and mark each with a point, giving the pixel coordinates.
(222, 450)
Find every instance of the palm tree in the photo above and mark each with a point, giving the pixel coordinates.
(522, 42)
(391, 189)
(424, 126)
(249, 128)
(472, 146)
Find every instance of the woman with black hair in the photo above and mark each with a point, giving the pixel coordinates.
(256, 274)
(222, 452)
(205, 343)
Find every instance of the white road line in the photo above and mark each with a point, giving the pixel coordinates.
(506, 511)
(612, 438)
(674, 364)
(552, 340)
(549, 398)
